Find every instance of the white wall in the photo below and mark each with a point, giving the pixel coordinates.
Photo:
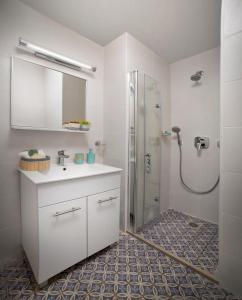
(18, 20)
(195, 109)
(115, 112)
(123, 55)
(230, 214)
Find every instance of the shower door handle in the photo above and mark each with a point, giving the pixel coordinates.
(148, 163)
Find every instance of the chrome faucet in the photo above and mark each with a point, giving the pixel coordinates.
(61, 157)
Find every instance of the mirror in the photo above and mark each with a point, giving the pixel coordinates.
(43, 98)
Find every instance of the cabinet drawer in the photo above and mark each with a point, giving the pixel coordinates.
(56, 192)
(62, 236)
(103, 220)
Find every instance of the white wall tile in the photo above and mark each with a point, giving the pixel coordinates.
(195, 109)
(232, 58)
(230, 212)
(5, 64)
(231, 100)
(115, 111)
(232, 234)
(231, 149)
(232, 16)
(10, 239)
(229, 273)
(231, 193)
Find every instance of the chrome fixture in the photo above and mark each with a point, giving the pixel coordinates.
(99, 143)
(148, 163)
(177, 131)
(197, 76)
(66, 211)
(203, 143)
(107, 200)
(53, 56)
(61, 157)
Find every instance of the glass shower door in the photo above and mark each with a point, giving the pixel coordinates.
(152, 159)
(136, 150)
(144, 150)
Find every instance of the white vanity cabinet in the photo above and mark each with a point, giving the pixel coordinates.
(62, 236)
(66, 217)
(103, 220)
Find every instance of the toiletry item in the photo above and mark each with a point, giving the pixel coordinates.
(79, 158)
(90, 157)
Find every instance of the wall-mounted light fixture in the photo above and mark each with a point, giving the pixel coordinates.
(53, 56)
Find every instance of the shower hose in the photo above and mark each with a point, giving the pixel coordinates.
(189, 189)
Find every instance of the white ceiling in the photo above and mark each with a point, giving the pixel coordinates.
(174, 29)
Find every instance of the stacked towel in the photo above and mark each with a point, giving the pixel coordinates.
(33, 154)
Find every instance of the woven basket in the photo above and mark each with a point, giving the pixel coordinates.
(28, 164)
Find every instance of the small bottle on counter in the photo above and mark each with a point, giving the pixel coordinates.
(90, 157)
(79, 158)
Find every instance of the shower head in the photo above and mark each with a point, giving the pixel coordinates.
(176, 129)
(197, 76)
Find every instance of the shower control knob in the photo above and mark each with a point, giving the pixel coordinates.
(201, 143)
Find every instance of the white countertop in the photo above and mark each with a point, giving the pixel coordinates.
(67, 172)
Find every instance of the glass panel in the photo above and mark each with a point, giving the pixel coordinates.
(131, 154)
(144, 150)
(136, 150)
(152, 149)
(140, 139)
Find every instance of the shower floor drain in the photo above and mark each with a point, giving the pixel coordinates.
(193, 224)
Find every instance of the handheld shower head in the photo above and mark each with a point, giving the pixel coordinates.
(177, 130)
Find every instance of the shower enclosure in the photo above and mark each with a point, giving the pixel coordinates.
(144, 150)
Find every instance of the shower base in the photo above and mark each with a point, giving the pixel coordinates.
(187, 237)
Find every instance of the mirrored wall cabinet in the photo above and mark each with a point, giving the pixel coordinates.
(45, 99)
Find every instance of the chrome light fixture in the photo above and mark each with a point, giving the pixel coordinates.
(53, 56)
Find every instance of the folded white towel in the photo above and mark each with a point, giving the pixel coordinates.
(24, 154)
(40, 154)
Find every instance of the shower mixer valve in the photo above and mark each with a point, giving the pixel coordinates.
(201, 143)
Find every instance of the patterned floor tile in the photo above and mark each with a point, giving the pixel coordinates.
(128, 270)
(198, 245)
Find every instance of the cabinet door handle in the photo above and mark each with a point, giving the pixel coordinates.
(106, 200)
(66, 211)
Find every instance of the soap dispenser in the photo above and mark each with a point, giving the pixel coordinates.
(90, 157)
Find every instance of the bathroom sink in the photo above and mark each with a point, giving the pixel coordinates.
(69, 171)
